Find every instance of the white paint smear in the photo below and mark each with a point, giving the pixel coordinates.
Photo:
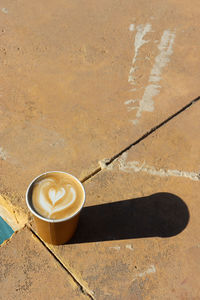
(130, 247)
(131, 27)
(115, 248)
(142, 30)
(150, 270)
(2, 154)
(146, 103)
(4, 10)
(135, 166)
(127, 102)
(161, 60)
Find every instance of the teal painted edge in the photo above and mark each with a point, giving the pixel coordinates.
(5, 231)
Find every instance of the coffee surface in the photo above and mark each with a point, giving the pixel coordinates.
(57, 195)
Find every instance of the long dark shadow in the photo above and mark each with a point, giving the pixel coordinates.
(158, 215)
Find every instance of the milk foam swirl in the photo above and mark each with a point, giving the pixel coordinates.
(52, 197)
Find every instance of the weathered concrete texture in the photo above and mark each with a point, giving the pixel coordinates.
(76, 75)
(141, 247)
(173, 147)
(138, 236)
(12, 214)
(79, 82)
(28, 271)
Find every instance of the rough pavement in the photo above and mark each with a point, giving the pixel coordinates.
(82, 82)
(138, 237)
(28, 270)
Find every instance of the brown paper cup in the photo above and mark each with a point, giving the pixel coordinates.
(56, 232)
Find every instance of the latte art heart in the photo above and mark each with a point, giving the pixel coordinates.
(55, 197)
(53, 200)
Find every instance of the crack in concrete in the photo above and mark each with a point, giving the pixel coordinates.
(97, 170)
(104, 163)
(83, 289)
(154, 129)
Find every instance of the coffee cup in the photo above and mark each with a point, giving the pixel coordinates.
(55, 199)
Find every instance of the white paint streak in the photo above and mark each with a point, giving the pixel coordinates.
(115, 248)
(130, 247)
(132, 27)
(3, 154)
(150, 270)
(4, 10)
(146, 103)
(135, 166)
(135, 121)
(142, 30)
(161, 60)
(127, 102)
(58, 142)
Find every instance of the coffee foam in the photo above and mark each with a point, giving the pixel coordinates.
(57, 195)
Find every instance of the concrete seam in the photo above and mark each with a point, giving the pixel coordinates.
(153, 130)
(91, 175)
(82, 288)
(109, 161)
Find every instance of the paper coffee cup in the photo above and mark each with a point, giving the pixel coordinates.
(54, 231)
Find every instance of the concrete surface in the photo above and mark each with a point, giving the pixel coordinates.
(28, 271)
(68, 71)
(138, 237)
(80, 82)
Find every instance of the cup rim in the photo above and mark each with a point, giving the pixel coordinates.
(53, 220)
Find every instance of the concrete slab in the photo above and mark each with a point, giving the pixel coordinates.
(138, 237)
(28, 271)
(174, 146)
(81, 81)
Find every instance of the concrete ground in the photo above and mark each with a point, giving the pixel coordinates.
(109, 92)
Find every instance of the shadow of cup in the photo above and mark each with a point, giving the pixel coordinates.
(158, 215)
